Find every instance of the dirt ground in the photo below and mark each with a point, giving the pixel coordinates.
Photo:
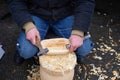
(103, 63)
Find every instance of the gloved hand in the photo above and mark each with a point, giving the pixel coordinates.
(32, 34)
(75, 42)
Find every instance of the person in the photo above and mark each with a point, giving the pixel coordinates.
(67, 18)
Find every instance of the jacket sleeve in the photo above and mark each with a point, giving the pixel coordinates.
(83, 12)
(19, 12)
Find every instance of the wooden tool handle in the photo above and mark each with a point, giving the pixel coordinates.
(38, 44)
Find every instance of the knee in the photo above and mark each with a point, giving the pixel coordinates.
(27, 51)
(85, 48)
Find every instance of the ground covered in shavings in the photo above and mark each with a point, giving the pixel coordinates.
(102, 64)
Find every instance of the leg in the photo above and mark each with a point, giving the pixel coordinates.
(85, 49)
(24, 47)
(63, 27)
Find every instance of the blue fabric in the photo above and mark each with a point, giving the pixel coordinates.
(21, 11)
(85, 49)
(62, 28)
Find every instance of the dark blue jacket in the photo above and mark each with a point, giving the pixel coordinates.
(21, 11)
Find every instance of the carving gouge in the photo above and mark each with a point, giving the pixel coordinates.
(41, 50)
